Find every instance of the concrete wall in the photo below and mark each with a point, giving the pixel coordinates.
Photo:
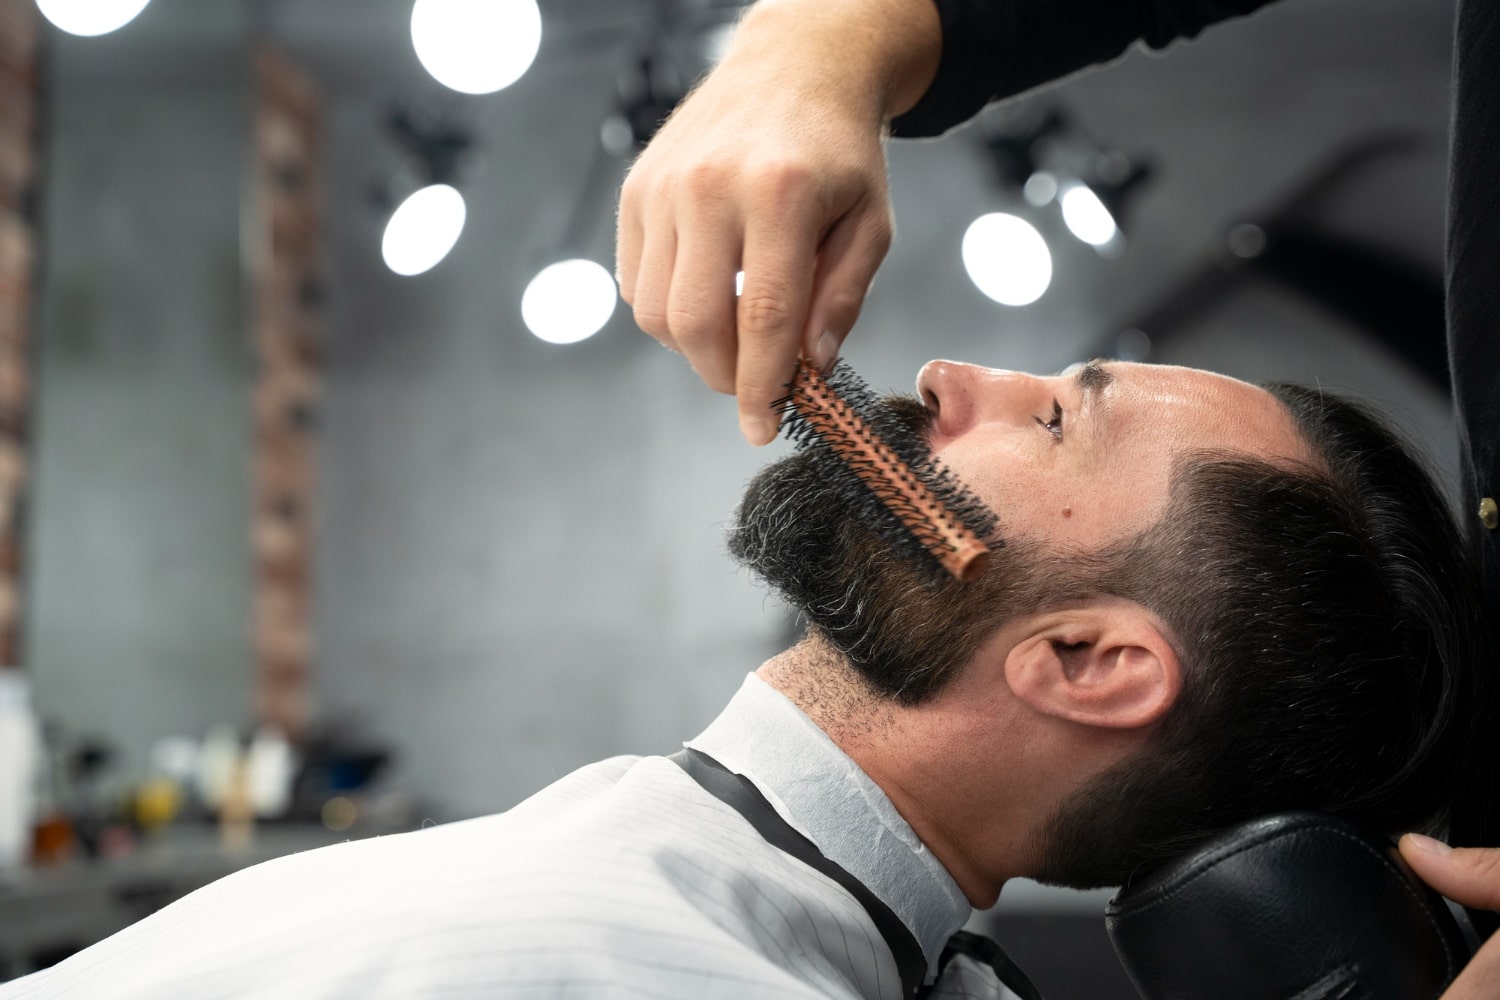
(519, 563)
(139, 589)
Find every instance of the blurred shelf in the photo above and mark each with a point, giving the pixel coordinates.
(47, 914)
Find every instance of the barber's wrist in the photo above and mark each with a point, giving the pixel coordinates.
(879, 56)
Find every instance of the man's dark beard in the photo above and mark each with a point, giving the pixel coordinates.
(800, 530)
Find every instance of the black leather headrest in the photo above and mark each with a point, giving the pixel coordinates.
(1293, 906)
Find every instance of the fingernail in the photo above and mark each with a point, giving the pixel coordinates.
(824, 352)
(757, 430)
(1428, 845)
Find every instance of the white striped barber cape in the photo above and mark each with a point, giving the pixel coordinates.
(623, 879)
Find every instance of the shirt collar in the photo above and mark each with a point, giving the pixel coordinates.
(822, 793)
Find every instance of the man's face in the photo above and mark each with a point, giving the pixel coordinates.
(1069, 463)
(1078, 460)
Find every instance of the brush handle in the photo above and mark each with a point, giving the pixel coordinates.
(929, 520)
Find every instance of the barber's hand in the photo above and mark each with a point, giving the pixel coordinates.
(775, 166)
(1469, 876)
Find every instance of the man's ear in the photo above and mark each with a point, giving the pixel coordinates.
(1106, 663)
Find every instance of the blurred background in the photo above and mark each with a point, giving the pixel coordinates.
(339, 493)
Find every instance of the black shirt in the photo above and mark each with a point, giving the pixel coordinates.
(998, 48)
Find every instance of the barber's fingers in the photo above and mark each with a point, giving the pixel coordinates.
(781, 241)
(1470, 876)
(653, 282)
(700, 306)
(629, 234)
(847, 261)
(1466, 875)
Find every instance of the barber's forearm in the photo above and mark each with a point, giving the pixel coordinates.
(997, 48)
(882, 53)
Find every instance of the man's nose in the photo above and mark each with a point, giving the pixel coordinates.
(963, 395)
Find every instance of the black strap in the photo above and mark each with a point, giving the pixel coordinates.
(985, 950)
(741, 795)
(737, 792)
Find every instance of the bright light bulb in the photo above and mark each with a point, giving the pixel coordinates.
(1007, 259)
(569, 301)
(476, 46)
(1040, 188)
(1086, 216)
(90, 17)
(423, 229)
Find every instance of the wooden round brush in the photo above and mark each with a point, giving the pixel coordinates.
(839, 417)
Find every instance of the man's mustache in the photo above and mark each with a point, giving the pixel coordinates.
(910, 411)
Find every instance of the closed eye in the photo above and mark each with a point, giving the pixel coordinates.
(1053, 426)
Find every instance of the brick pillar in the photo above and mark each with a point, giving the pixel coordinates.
(18, 149)
(286, 301)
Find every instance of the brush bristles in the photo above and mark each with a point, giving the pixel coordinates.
(917, 503)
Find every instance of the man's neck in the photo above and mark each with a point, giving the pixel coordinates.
(914, 755)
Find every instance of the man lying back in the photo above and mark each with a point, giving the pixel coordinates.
(1209, 601)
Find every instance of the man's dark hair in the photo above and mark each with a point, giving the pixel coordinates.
(1329, 624)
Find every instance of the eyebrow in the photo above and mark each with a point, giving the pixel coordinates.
(1092, 379)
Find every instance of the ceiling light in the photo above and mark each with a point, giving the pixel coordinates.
(423, 229)
(1007, 259)
(90, 17)
(1086, 215)
(476, 46)
(1040, 189)
(1095, 207)
(569, 301)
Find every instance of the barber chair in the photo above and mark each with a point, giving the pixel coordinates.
(1298, 906)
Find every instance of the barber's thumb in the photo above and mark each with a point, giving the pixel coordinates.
(1469, 876)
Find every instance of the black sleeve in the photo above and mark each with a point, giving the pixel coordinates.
(996, 48)
(1474, 358)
